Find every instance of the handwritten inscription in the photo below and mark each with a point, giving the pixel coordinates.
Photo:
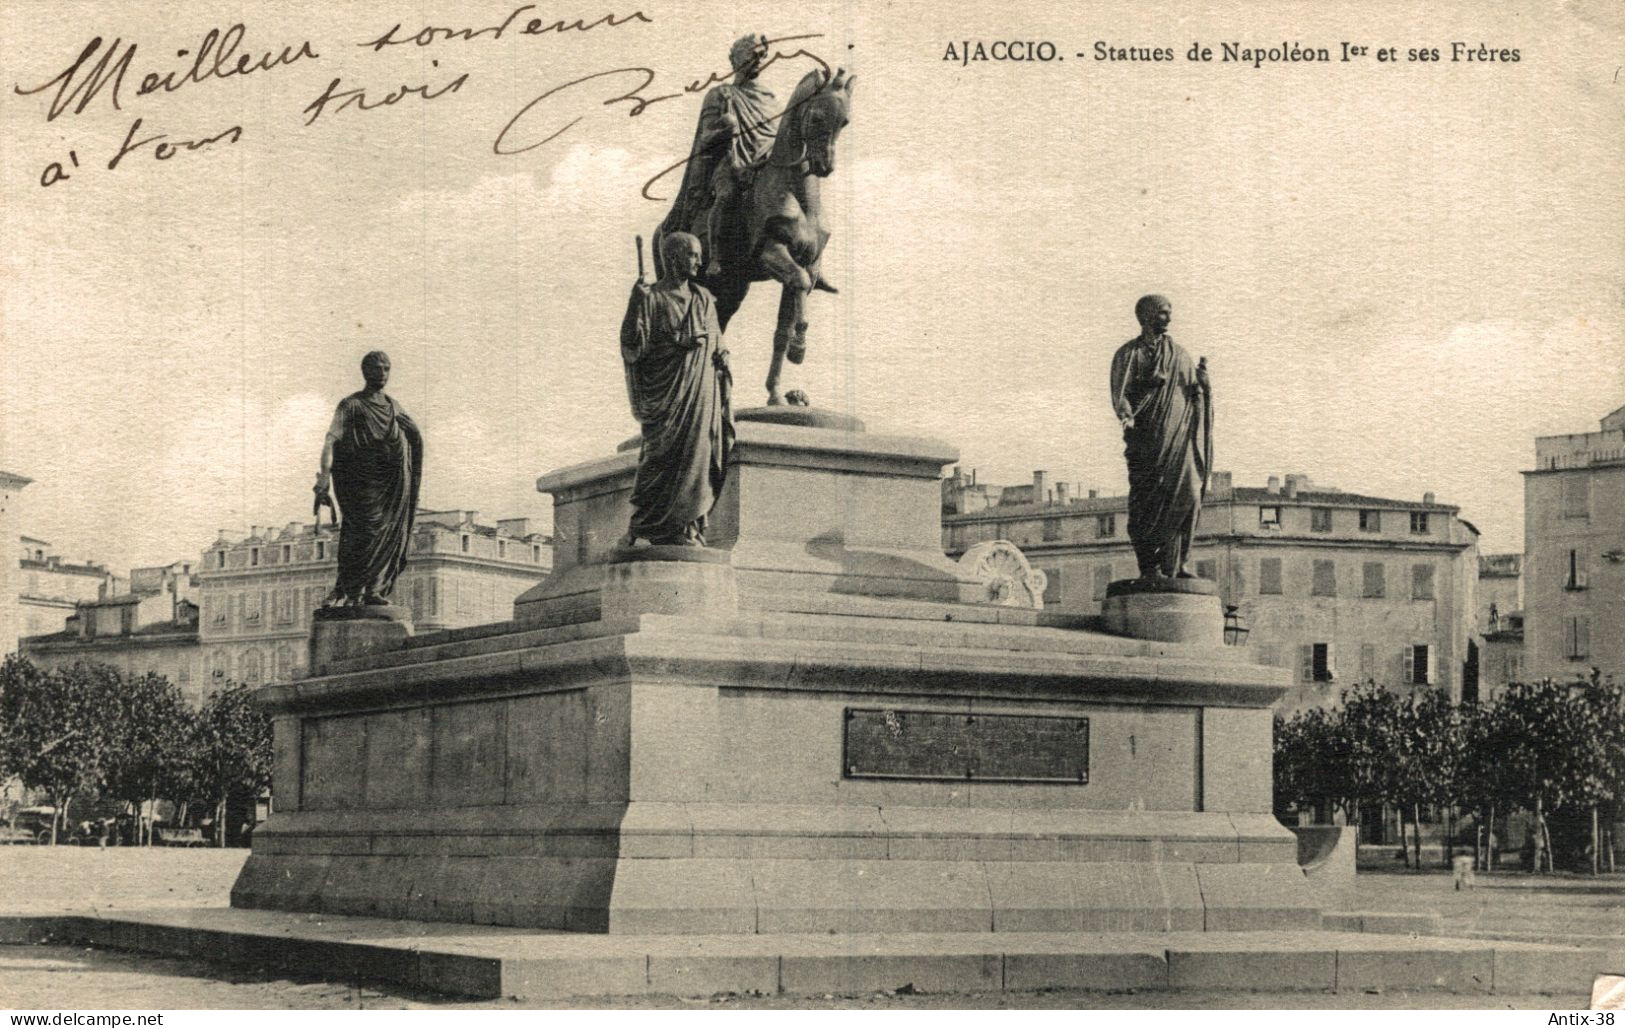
(358, 96)
(163, 151)
(533, 27)
(216, 58)
(636, 99)
(105, 71)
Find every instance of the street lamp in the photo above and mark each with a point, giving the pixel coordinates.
(1235, 633)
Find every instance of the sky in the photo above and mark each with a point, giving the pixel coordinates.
(1401, 272)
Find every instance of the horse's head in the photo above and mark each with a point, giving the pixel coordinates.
(819, 109)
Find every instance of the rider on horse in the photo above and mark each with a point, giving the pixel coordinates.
(734, 137)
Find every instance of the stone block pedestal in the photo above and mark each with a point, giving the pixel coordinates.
(341, 633)
(813, 728)
(1178, 610)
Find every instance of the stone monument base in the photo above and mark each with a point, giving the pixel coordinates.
(337, 633)
(1178, 610)
(818, 726)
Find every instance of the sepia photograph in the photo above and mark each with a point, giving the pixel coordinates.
(884, 507)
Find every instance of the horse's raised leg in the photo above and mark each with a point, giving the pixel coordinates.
(790, 336)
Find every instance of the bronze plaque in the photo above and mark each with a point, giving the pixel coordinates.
(965, 747)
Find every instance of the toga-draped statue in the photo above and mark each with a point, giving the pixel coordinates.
(1164, 403)
(373, 459)
(678, 382)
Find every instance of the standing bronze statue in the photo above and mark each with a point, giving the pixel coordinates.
(678, 382)
(373, 459)
(751, 191)
(1165, 405)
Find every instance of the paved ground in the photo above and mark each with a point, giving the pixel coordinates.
(60, 978)
(38, 880)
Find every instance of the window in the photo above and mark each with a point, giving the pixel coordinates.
(1419, 522)
(1577, 637)
(1324, 581)
(1419, 665)
(1574, 576)
(287, 554)
(1421, 581)
(253, 667)
(536, 554)
(1207, 569)
(1375, 585)
(1105, 526)
(1052, 586)
(465, 544)
(1320, 519)
(253, 556)
(1269, 576)
(186, 569)
(1368, 662)
(1371, 521)
(1577, 496)
(321, 549)
(502, 544)
(1269, 517)
(1317, 663)
(222, 561)
(1103, 578)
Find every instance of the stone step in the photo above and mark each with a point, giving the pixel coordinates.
(495, 962)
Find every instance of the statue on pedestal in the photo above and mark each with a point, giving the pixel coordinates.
(373, 458)
(751, 193)
(679, 386)
(1164, 404)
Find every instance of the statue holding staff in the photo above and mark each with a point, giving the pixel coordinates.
(373, 458)
(1164, 404)
(679, 386)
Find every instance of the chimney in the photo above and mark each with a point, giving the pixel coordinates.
(1219, 485)
(1040, 486)
(1291, 490)
(1094, 494)
(1427, 498)
(1063, 492)
(1296, 484)
(1272, 485)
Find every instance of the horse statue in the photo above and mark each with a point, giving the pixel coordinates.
(775, 229)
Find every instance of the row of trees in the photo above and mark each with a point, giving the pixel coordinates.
(89, 731)
(1548, 748)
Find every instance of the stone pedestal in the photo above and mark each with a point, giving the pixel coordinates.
(667, 580)
(1178, 610)
(342, 633)
(814, 729)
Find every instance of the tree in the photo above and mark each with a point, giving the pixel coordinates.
(57, 728)
(1366, 741)
(230, 750)
(1428, 756)
(148, 741)
(1546, 737)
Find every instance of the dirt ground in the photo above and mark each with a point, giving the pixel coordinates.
(38, 880)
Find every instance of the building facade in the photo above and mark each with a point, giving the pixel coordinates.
(12, 623)
(256, 593)
(1340, 587)
(51, 587)
(1574, 553)
(137, 633)
(1500, 621)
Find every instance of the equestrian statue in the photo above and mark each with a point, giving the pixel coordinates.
(751, 194)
